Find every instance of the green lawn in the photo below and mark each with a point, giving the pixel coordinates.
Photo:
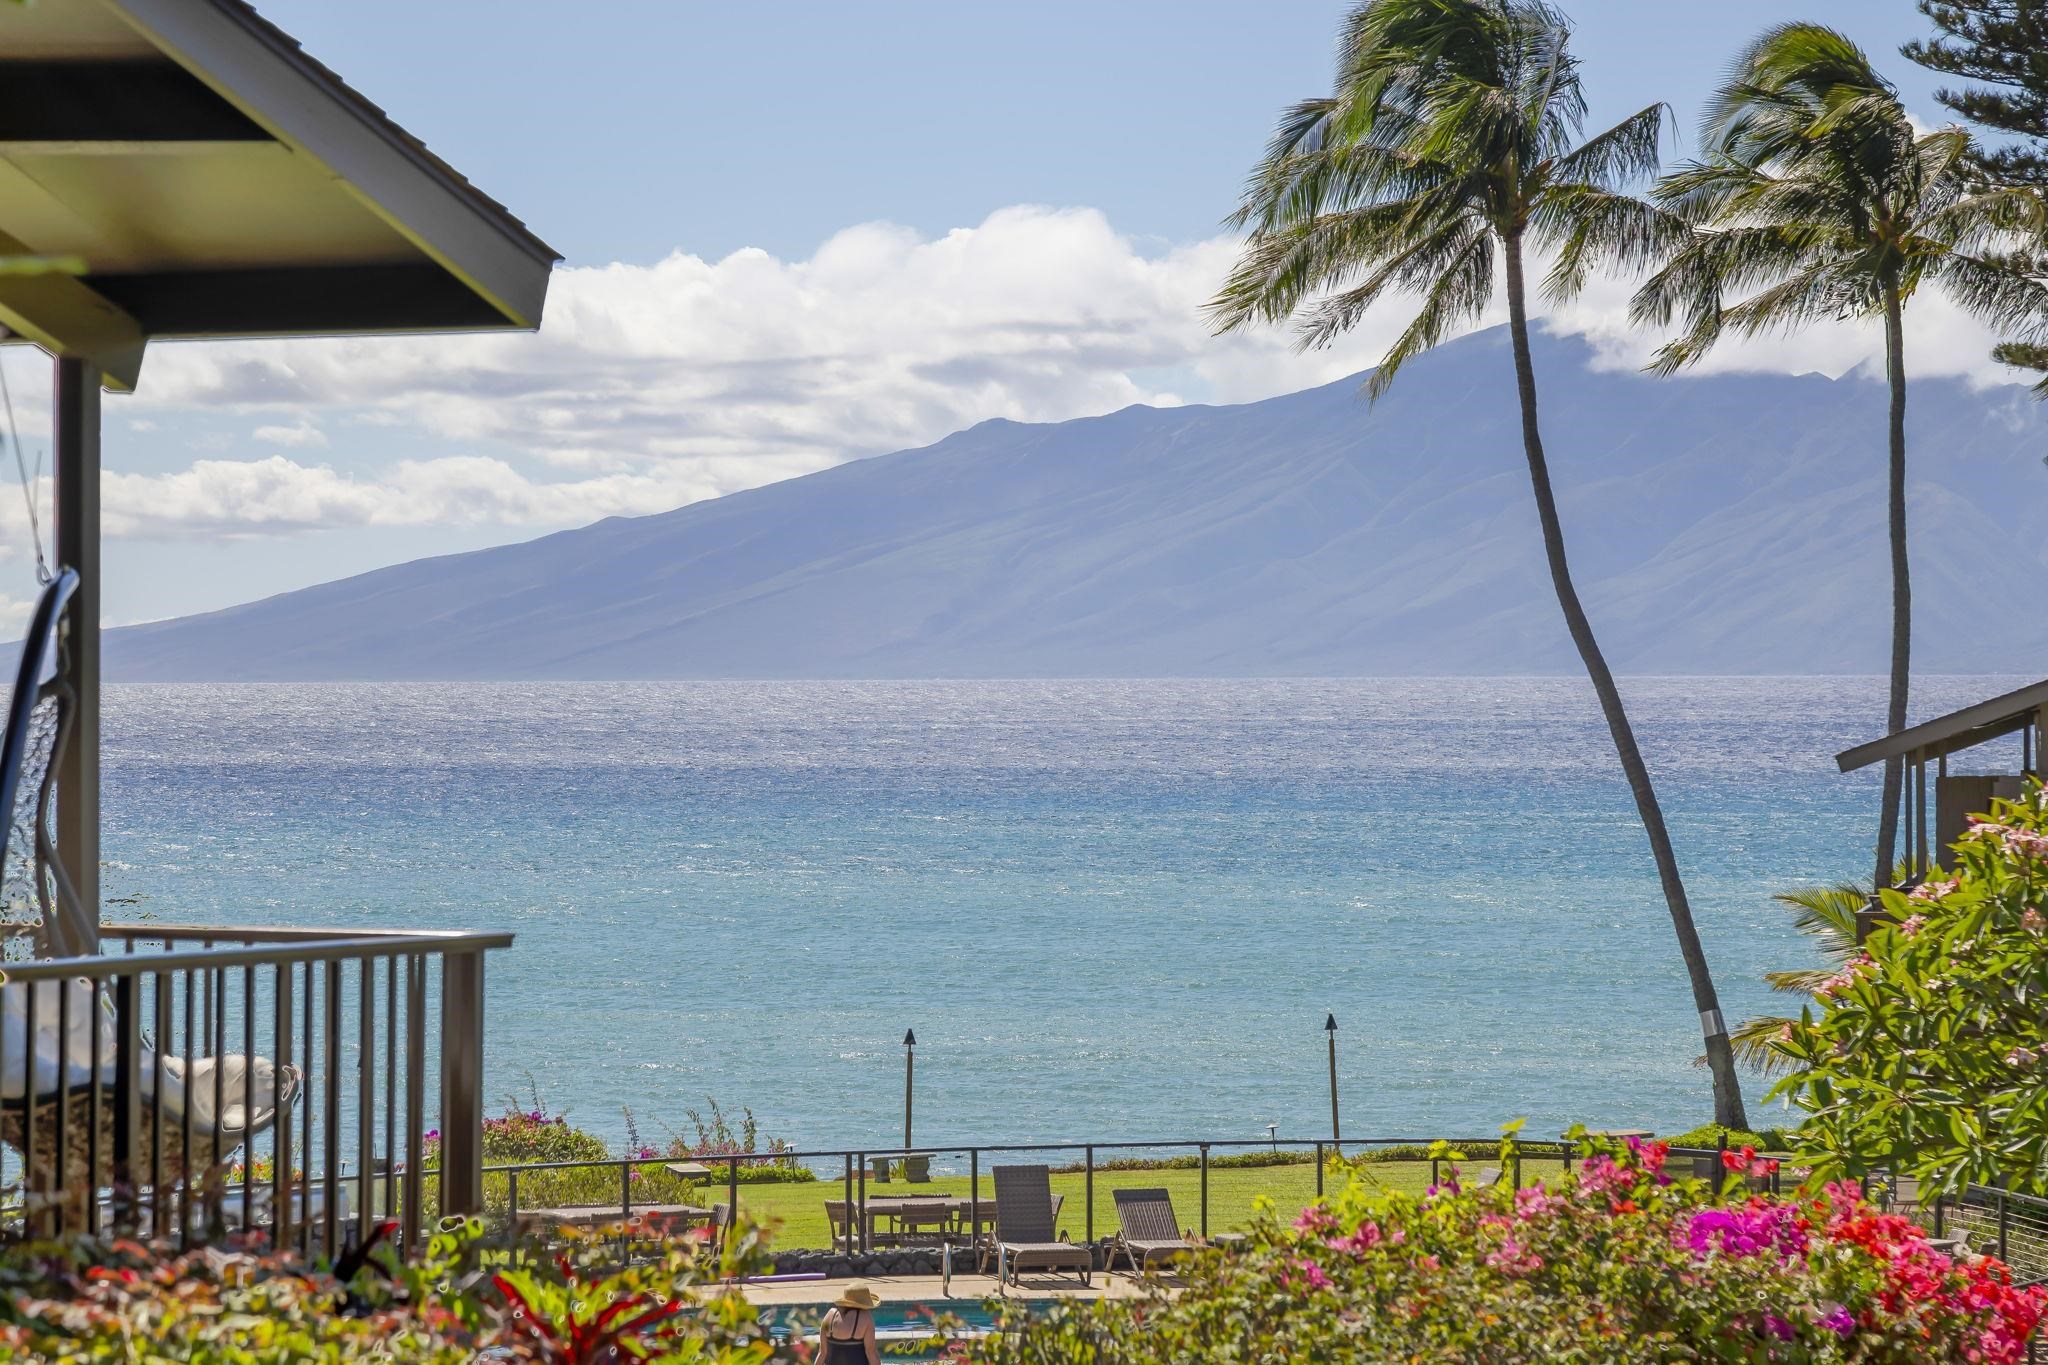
(800, 1209)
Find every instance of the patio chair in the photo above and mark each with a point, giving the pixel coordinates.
(923, 1219)
(1147, 1231)
(1026, 1216)
(837, 1218)
(47, 920)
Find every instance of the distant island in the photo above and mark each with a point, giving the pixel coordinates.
(1724, 524)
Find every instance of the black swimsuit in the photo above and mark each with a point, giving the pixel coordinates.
(846, 1350)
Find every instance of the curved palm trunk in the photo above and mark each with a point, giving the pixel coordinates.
(1728, 1108)
(1902, 589)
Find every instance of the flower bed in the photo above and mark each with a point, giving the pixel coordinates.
(1620, 1263)
(463, 1301)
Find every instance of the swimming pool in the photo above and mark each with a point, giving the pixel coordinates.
(904, 1331)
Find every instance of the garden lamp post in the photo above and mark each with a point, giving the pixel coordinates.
(1330, 1032)
(1273, 1135)
(909, 1068)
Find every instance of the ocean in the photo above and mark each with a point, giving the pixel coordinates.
(1109, 910)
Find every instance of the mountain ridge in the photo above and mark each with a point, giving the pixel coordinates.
(1717, 524)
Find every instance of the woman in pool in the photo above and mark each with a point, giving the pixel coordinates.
(848, 1334)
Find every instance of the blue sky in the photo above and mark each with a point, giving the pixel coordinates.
(796, 234)
(623, 131)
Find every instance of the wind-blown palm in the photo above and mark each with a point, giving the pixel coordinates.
(1826, 914)
(1450, 148)
(1817, 200)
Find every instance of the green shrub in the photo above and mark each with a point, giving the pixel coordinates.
(1709, 1134)
(463, 1301)
(1616, 1265)
(1927, 1055)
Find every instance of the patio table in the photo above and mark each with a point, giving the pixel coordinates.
(956, 1209)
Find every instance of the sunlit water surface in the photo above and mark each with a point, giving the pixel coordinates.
(1109, 909)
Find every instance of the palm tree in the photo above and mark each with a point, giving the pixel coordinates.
(1450, 147)
(1815, 200)
(1828, 915)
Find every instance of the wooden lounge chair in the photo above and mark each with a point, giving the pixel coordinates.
(1147, 1231)
(1025, 1221)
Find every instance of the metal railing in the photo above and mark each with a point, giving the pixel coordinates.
(1090, 1160)
(2004, 1223)
(130, 1063)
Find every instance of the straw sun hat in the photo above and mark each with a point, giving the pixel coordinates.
(856, 1295)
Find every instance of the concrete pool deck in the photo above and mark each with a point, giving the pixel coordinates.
(897, 1289)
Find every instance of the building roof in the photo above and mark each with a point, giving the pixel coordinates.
(1971, 725)
(214, 180)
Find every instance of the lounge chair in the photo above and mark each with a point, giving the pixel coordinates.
(1025, 1221)
(1147, 1230)
(58, 1039)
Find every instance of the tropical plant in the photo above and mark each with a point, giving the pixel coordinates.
(1925, 1054)
(1827, 915)
(1450, 149)
(1618, 1265)
(461, 1300)
(1815, 199)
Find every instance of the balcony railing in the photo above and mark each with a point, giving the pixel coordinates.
(132, 1122)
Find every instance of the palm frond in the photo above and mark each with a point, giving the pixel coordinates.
(1758, 1045)
(1459, 295)
(1623, 154)
(1827, 914)
(1595, 227)
(1447, 129)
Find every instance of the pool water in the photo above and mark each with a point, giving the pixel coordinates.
(895, 1323)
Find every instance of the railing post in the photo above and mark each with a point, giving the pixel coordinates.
(1205, 1191)
(847, 1231)
(1937, 1215)
(127, 1097)
(1720, 1164)
(462, 1071)
(860, 1212)
(281, 1182)
(2004, 1224)
(1319, 1170)
(732, 1196)
(974, 1203)
(1088, 1198)
(415, 1098)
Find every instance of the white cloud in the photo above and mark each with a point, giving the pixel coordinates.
(650, 386)
(721, 374)
(277, 495)
(300, 433)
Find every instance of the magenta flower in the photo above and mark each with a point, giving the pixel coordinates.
(1746, 1232)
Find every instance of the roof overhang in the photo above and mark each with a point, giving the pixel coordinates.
(215, 181)
(1957, 730)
